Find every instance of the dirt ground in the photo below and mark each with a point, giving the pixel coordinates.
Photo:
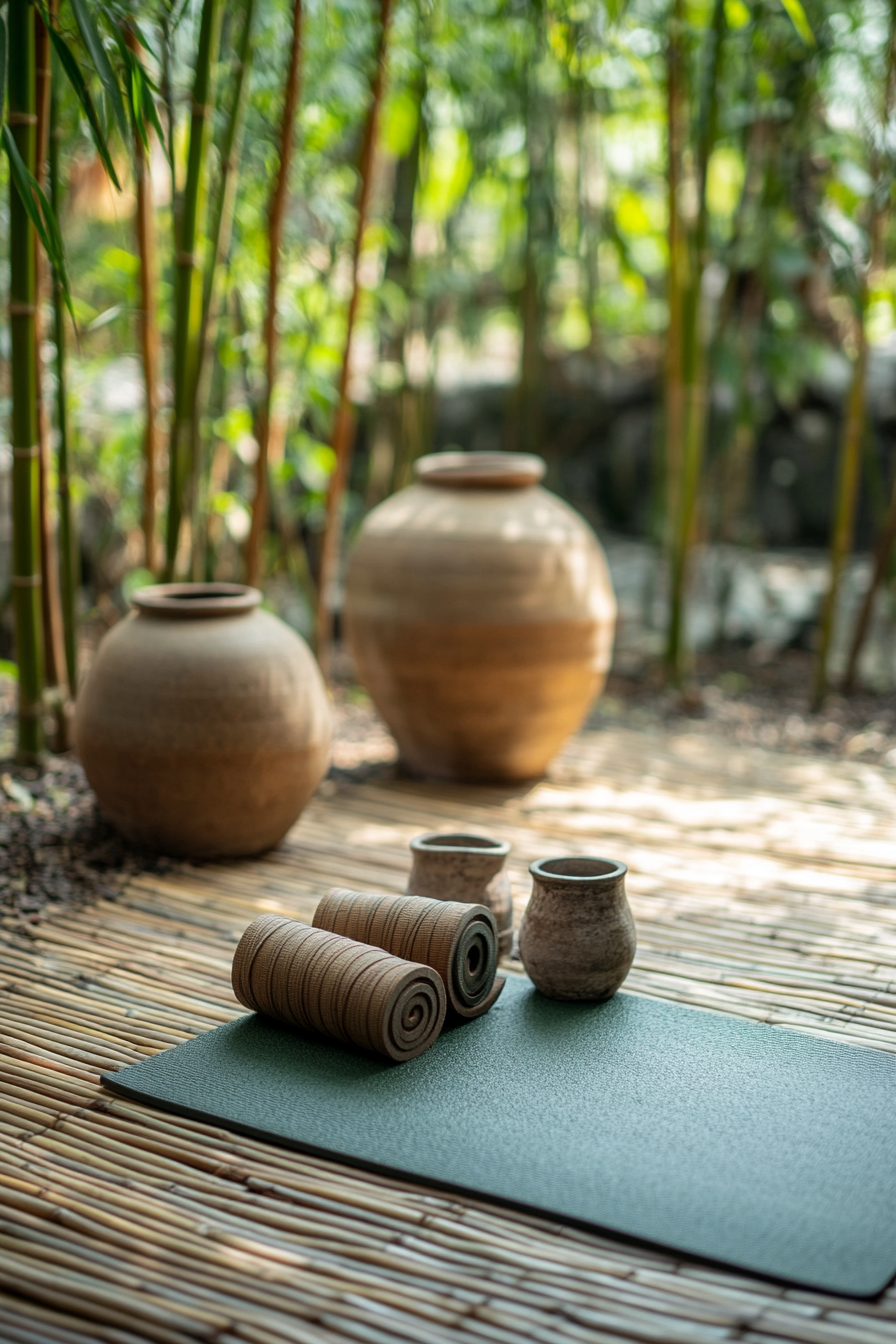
(56, 849)
(734, 695)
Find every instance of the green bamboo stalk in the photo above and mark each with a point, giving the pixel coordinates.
(221, 212)
(586, 224)
(167, 91)
(56, 689)
(68, 559)
(26, 569)
(276, 211)
(342, 438)
(525, 429)
(148, 329)
(389, 447)
(667, 464)
(188, 278)
(218, 245)
(694, 362)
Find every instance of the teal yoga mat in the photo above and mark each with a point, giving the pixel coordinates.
(769, 1150)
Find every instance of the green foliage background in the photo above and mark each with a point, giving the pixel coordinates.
(538, 129)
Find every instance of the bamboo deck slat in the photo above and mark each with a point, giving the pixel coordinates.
(763, 885)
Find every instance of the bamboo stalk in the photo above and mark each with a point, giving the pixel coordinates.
(68, 567)
(188, 279)
(26, 560)
(276, 212)
(218, 246)
(527, 433)
(342, 438)
(167, 91)
(56, 691)
(147, 323)
(689, 403)
(667, 473)
(221, 213)
(390, 448)
(586, 223)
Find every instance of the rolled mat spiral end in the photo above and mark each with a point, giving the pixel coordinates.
(457, 940)
(346, 990)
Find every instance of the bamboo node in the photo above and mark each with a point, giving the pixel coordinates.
(33, 451)
(26, 580)
(17, 309)
(22, 118)
(187, 259)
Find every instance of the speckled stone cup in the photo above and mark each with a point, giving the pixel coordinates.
(577, 937)
(467, 868)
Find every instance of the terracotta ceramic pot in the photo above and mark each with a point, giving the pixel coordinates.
(203, 725)
(577, 938)
(467, 868)
(480, 613)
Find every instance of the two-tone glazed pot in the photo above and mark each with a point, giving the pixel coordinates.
(480, 613)
(203, 725)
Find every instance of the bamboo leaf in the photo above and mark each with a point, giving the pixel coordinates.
(797, 15)
(27, 188)
(150, 111)
(134, 100)
(41, 214)
(145, 113)
(141, 104)
(92, 40)
(76, 79)
(143, 40)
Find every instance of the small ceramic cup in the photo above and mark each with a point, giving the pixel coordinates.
(577, 938)
(467, 868)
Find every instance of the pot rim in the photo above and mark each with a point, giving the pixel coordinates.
(186, 601)
(611, 870)
(485, 470)
(451, 842)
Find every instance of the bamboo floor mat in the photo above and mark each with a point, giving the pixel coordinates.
(762, 884)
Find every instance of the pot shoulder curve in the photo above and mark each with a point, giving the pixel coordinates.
(204, 685)
(478, 555)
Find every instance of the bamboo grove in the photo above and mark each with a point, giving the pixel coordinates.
(287, 214)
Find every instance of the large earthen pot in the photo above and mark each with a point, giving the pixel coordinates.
(480, 613)
(203, 725)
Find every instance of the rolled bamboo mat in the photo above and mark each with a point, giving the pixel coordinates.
(458, 941)
(343, 989)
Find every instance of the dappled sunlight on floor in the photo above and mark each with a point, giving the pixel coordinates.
(762, 885)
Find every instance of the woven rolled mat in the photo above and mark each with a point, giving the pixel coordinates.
(459, 941)
(343, 989)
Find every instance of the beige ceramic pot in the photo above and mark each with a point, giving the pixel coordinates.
(577, 937)
(203, 725)
(480, 613)
(467, 868)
